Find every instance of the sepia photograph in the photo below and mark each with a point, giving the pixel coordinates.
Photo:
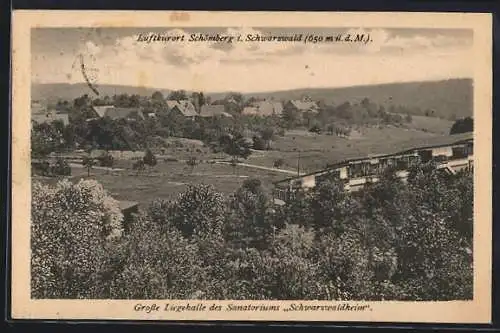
(281, 169)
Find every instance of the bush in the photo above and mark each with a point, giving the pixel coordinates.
(106, 160)
(278, 163)
(74, 229)
(462, 126)
(259, 143)
(315, 129)
(149, 158)
(61, 168)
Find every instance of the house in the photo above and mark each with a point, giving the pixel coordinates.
(264, 108)
(116, 113)
(304, 105)
(208, 111)
(49, 117)
(183, 107)
(124, 113)
(100, 111)
(451, 153)
(250, 111)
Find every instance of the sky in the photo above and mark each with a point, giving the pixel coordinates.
(114, 56)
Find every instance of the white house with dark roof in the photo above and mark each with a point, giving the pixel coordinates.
(183, 107)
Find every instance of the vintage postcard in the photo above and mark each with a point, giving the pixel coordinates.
(252, 166)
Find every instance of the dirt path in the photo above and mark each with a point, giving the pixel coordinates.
(289, 172)
(76, 165)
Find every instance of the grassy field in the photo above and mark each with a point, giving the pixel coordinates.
(167, 179)
(318, 150)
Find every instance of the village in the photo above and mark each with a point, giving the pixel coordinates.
(282, 171)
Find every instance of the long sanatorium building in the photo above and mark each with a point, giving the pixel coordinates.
(452, 153)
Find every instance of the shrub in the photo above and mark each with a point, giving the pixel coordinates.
(106, 160)
(278, 163)
(149, 158)
(61, 168)
(315, 129)
(258, 143)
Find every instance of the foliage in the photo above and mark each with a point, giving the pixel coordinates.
(61, 167)
(149, 158)
(462, 126)
(315, 129)
(89, 163)
(235, 145)
(139, 166)
(74, 227)
(191, 162)
(258, 143)
(278, 163)
(106, 160)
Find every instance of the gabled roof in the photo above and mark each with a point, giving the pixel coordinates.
(304, 105)
(185, 107)
(264, 108)
(49, 117)
(171, 103)
(213, 110)
(123, 113)
(101, 110)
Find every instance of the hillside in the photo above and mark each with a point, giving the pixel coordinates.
(54, 91)
(446, 98)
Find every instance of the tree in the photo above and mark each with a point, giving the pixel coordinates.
(158, 264)
(149, 158)
(177, 95)
(258, 143)
(157, 96)
(75, 228)
(61, 167)
(139, 166)
(267, 135)
(191, 162)
(199, 211)
(315, 129)
(235, 145)
(462, 126)
(89, 163)
(248, 225)
(106, 160)
(331, 129)
(290, 117)
(278, 163)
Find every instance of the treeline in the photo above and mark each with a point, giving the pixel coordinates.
(85, 131)
(391, 241)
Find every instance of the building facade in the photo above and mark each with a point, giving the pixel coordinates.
(452, 154)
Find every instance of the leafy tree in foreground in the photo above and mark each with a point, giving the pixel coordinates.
(74, 229)
(158, 265)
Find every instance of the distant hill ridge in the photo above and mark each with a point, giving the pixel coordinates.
(453, 97)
